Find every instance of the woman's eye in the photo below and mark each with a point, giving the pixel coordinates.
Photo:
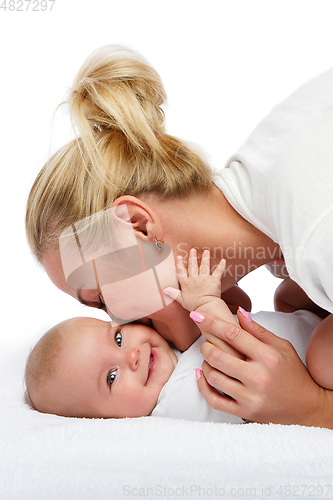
(118, 338)
(111, 377)
(101, 304)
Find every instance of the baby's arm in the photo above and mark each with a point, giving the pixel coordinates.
(201, 291)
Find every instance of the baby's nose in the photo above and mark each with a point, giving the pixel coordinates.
(133, 357)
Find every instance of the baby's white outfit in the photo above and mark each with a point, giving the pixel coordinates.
(281, 181)
(180, 397)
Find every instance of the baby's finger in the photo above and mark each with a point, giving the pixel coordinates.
(219, 269)
(193, 263)
(205, 263)
(181, 269)
(174, 294)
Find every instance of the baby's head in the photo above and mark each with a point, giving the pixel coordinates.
(85, 367)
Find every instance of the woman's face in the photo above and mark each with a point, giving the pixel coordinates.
(170, 319)
(52, 264)
(106, 261)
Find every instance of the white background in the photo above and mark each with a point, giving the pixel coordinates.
(224, 65)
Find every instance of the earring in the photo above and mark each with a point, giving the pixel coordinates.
(159, 244)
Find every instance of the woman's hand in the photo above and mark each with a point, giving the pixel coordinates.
(270, 385)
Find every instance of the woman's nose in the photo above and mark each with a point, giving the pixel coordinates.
(133, 357)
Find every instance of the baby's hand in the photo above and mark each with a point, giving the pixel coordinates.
(198, 286)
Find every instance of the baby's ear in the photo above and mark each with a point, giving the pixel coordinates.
(144, 221)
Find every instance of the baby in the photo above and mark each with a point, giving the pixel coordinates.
(84, 367)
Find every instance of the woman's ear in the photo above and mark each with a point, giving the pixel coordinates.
(144, 221)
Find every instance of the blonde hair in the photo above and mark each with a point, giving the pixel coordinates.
(122, 148)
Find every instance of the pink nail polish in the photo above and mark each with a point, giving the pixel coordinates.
(197, 317)
(244, 313)
(198, 373)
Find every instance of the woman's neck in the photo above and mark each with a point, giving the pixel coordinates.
(174, 324)
(207, 220)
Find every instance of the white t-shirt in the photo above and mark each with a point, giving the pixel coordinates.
(180, 397)
(281, 181)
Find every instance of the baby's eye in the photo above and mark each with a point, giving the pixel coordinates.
(118, 338)
(111, 377)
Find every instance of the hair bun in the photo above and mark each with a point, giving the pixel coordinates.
(117, 89)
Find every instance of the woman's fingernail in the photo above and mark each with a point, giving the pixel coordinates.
(198, 373)
(197, 317)
(244, 313)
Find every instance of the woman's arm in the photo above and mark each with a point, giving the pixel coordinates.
(290, 297)
(235, 297)
(183, 332)
(270, 385)
(319, 353)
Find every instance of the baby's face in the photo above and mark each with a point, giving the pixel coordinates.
(105, 371)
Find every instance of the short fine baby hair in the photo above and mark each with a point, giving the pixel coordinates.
(41, 362)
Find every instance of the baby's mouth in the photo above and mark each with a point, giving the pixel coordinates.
(151, 364)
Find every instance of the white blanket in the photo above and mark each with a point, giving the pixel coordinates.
(45, 457)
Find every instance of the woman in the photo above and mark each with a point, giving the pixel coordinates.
(257, 209)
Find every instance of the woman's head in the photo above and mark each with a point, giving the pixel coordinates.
(121, 149)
